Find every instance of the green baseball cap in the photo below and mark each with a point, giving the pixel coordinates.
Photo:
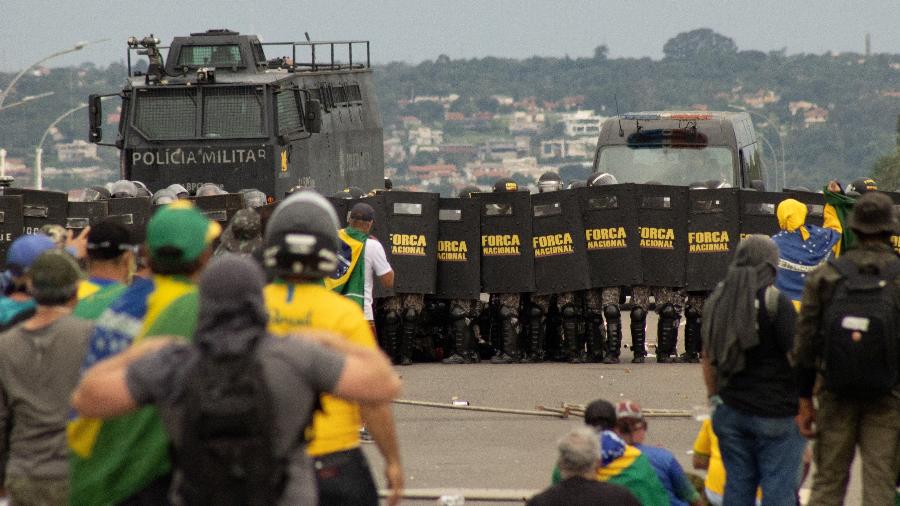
(180, 227)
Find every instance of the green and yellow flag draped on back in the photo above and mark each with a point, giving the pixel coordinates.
(350, 277)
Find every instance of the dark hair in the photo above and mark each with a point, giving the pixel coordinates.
(59, 296)
(167, 261)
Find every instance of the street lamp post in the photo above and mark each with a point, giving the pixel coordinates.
(27, 99)
(39, 150)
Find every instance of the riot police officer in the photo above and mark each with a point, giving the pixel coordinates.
(464, 333)
(508, 304)
(603, 303)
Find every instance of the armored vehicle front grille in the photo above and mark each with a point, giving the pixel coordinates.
(167, 114)
(232, 112)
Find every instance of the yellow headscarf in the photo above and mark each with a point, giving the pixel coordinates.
(791, 217)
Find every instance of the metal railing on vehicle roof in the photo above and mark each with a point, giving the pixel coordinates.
(330, 63)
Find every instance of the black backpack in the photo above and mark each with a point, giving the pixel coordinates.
(227, 454)
(860, 331)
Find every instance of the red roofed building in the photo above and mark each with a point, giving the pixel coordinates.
(431, 171)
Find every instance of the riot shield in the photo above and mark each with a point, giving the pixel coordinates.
(757, 211)
(560, 258)
(609, 219)
(507, 256)
(713, 232)
(411, 228)
(459, 253)
(815, 204)
(131, 212)
(895, 239)
(220, 208)
(40, 208)
(81, 215)
(662, 229)
(12, 223)
(342, 208)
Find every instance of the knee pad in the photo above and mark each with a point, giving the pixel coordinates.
(507, 312)
(611, 312)
(638, 314)
(668, 311)
(569, 311)
(535, 312)
(391, 318)
(692, 313)
(457, 313)
(410, 315)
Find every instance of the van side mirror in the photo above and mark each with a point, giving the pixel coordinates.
(313, 117)
(95, 111)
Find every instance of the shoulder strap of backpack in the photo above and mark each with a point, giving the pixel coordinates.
(771, 301)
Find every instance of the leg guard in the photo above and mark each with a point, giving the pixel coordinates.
(391, 333)
(410, 319)
(596, 337)
(459, 333)
(638, 334)
(613, 333)
(570, 331)
(666, 333)
(692, 340)
(536, 334)
(509, 338)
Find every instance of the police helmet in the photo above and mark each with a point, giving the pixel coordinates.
(601, 178)
(861, 186)
(388, 184)
(301, 237)
(254, 198)
(124, 189)
(549, 182)
(577, 184)
(467, 191)
(143, 191)
(95, 193)
(179, 191)
(164, 196)
(505, 185)
(210, 189)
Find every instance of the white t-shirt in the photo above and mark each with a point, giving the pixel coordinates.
(376, 262)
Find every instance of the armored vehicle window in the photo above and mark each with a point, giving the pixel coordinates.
(547, 210)
(353, 93)
(166, 113)
(288, 113)
(604, 202)
(498, 210)
(314, 94)
(669, 165)
(210, 56)
(450, 215)
(232, 112)
(340, 95)
(408, 208)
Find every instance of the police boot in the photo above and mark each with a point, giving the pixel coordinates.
(638, 334)
(536, 335)
(459, 331)
(596, 337)
(471, 353)
(391, 331)
(666, 334)
(509, 338)
(613, 334)
(410, 318)
(692, 340)
(569, 315)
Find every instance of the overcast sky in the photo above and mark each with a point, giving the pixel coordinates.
(416, 30)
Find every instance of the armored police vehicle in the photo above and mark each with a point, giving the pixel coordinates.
(217, 110)
(681, 148)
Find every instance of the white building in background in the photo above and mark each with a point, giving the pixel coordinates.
(76, 151)
(582, 147)
(582, 123)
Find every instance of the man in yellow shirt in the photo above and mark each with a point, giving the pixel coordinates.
(301, 246)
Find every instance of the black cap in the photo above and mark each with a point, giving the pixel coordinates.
(107, 240)
(600, 414)
(362, 212)
(874, 214)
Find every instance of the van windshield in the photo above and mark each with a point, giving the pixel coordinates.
(677, 166)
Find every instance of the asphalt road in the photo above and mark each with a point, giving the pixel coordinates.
(455, 450)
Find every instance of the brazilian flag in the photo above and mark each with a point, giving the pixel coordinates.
(350, 278)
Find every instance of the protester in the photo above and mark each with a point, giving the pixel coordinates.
(847, 344)
(296, 300)
(748, 331)
(126, 458)
(620, 463)
(17, 304)
(632, 427)
(39, 366)
(839, 203)
(232, 326)
(801, 248)
(579, 458)
(111, 257)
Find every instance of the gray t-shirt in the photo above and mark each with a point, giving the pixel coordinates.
(39, 369)
(296, 372)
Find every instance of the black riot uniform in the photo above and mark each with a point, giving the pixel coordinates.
(509, 305)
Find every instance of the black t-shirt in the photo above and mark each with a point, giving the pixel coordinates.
(768, 384)
(577, 491)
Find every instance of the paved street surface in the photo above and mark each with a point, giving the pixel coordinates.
(448, 449)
